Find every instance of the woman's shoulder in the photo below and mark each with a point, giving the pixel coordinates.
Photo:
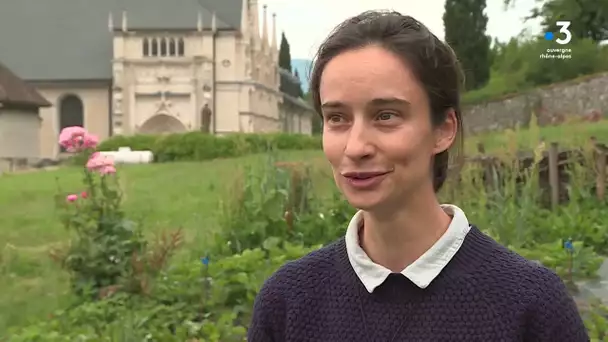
(511, 283)
(310, 269)
(293, 281)
(502, 260)
(506, 272)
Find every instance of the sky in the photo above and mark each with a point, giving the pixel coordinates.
(307, 23)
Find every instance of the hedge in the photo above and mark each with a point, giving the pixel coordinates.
(197, 146)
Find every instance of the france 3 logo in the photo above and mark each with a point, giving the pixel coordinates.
(563, 30)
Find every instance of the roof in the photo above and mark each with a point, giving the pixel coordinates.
(70, 39)
(15, 91)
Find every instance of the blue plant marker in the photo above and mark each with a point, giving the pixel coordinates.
(205, 275)
(570, 249)
(569, 246)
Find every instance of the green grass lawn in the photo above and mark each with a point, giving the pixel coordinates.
(160, 196)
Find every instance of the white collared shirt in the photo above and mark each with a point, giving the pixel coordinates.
(422, 271)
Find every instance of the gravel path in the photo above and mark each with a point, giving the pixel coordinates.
(594, 289)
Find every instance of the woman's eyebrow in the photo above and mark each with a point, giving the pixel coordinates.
(389, 101)
(333, 105)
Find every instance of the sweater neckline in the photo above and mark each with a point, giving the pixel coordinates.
(423, 270)
(464, 262)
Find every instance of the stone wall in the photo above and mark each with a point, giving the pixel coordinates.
(296, 118)
(12, 165)
(552, 104)
(263, 124)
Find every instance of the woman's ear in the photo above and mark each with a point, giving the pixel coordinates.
(446, 132)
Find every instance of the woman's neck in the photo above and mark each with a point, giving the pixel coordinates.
(397, 238)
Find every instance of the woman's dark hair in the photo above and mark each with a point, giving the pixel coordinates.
(432, 61)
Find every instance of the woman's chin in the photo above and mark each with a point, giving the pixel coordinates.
(366, 202)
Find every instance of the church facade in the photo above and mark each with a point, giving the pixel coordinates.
(150, 66)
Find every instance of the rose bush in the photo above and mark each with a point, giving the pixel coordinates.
(108, 252)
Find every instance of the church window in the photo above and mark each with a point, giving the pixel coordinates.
(146, 47)
(71, 113)
(163, 47)
(180, 47)
(154, 47)
(172, 47)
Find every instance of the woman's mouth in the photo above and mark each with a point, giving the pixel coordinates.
(365, 180)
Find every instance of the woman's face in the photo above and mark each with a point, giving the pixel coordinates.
(377, 132)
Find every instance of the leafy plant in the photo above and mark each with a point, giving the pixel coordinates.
(209, 301)
(596, 321)
(109, 252)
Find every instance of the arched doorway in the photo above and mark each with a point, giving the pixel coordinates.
(162, 123)
(71, 113)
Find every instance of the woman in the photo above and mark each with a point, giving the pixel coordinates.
(408, 269)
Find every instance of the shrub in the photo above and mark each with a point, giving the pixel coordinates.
(135, 142)
(209, 301)
(277, 203)
(108, 252)
(196, 146)
(517, 70)
(508, 205)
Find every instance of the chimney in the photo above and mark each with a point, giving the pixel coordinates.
(199, 22)
(110, 22)
(274, 31)
(265, 27)
(124, 21)
(255, 21)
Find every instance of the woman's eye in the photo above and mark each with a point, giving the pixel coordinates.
(334, 118)
(383, 116)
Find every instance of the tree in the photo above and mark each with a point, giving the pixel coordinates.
(284, 53)
(298, 86)
(589, 18)
(287, 84)
(465, 31)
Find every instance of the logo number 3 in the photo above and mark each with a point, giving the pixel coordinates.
(563, 28)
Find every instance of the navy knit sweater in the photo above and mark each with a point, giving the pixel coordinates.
(486, 293)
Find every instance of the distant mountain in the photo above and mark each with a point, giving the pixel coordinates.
(303, 67)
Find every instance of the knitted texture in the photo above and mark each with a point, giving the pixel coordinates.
(486, 293)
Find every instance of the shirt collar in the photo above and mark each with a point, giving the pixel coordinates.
(422, 271)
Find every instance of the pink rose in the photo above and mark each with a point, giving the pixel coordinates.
(76, 138)
(100, 163)
(71, 198)
(90, 141)
(108, 169)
